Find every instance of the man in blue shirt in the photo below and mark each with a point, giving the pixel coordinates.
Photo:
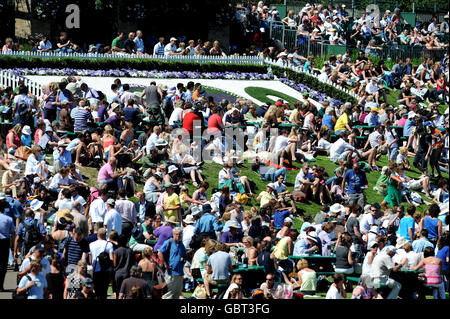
(7, 230)
(22, 229)
(172, 254)
(356, 180)
(420, 244)
(207, 225)
(61, 156)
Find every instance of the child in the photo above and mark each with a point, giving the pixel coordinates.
(26, 136)
(336, 191)
(402, 158)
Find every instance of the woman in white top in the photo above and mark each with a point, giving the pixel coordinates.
(289, 19)
(367, 264)
(236, 283)
(411, 258)
(35, 165)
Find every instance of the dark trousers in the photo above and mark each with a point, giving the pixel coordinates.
(420, 162)
(4, 255)
(127, 227)
(101, 281)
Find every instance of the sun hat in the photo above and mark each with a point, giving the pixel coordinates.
(401, 241)
(372, 243)
(161, 142)
(196, 210)
(62, 144)
(234, 224)
(288, 220)
(111, 202)
(2, 196)
(189, 219)
(270, 185)
(329, 109)
(390, 248)
(173, 39)
(283, 54)
(374, 229)
(312, 236)
(206, 208)
(337, 208)
(48, 129)
(26, 130)
(172, 220)
(36, 204)
(63, 216)
(411, 114)
(374, 109)
(172, 168)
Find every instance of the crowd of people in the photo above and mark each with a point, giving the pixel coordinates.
(136, 226)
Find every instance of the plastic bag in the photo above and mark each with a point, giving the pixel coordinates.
(199, 292)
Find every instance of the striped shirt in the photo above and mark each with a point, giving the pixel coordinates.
(80, 116)
(75, 250)
(158, 49)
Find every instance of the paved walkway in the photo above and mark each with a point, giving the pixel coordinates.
(9, 285)
(234, 86)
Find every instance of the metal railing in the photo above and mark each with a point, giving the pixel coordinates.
(181, 58)
(289, 37)
(8, 79)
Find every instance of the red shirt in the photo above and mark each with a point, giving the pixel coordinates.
(214, 123)
(188, 122)
(16, 140)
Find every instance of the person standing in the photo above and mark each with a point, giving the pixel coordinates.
(357, 181)
(394, 188)
(113, 219)
(101, 276)
(7, 232)
(35, 282)
(172, 254)
(127, 210)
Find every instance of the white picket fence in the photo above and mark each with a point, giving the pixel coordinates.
(300, 70)
(182, 58)
(9, 79)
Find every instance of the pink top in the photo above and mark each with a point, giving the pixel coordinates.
(433, 274)
(401, 122)
(105, 172)
(36, 136)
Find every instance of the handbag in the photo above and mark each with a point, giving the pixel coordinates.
(196, 273)
(22, 153)
(161, 288)
(23, 295)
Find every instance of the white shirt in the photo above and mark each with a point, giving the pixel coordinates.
(323, 77)
(366, 221)
(112, 97)
(333, 293)
(113, 220)
(339, 147)
(58, 179)
(64, 203)
(151, 141)
(373, 138)
(44, 262)
(97, 210)
(175, 116)
(188, 232)
(280, 143)
(169, 48)
(45, 46)
(96, 248)
(381, 265)
(299, 177)
(371, 87)
(80, 200)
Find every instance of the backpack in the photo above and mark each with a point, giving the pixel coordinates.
(104, 260)
(101, 95)
(137, 232)
(22, 109)
(23, 295)
(32, 235)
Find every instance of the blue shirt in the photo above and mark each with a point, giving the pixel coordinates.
(443, 254)
(36, 291)
(409, 124)
(420, 244)
(177, 252)
(405, 224)
(300, 248)
(328, 121)
(15, 206)
(65, 158)
(81, 117)
(29, 221)
(26, 140)
(6, 226)
(207, 224)
(279, 216)
(355, 181)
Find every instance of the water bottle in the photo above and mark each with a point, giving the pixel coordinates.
(244, 260)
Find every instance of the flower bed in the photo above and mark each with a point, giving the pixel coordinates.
(133, 73)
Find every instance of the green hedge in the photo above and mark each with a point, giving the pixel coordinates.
(313, 83)
(138, 64)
